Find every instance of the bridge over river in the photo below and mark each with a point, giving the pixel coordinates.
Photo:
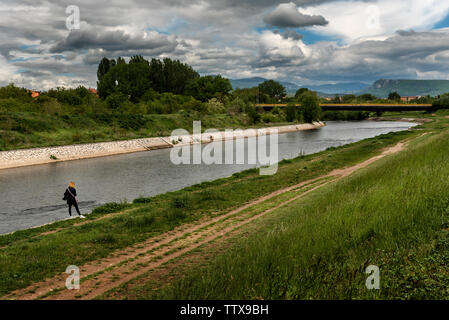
(362, 107)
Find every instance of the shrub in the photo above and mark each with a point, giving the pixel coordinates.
(150, 95)
(13, 92)
(104, 239)
(254, 116)
(211, 195)
(182, 202)
(193, 104)
(155, 107)
(442, 102)
(175, 214)
(116, 100)
(170, 102)
(139, 221)
(134, 122)
(268, 117)
(143, 200)
(292, 112)
(310, 107)
(110, 207)
(237, 105)
(214, 106)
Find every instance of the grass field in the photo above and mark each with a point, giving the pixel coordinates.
(391, 214)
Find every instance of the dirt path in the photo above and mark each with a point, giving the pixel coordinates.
(98, 277)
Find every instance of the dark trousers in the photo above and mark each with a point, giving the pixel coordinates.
(76, 207)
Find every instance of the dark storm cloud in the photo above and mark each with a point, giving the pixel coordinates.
(292, 34)
(286, 15)
(92, 38)
(405, 33)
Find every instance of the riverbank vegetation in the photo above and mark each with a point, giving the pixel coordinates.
(140, 98)
(135, 99)
(34, 254)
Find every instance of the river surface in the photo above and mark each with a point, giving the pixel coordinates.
(32, 196)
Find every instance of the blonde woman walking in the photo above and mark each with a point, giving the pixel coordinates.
(70, 196)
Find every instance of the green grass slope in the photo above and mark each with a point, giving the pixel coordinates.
(394, 214)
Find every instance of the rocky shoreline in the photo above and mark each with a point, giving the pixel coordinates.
(37, 156)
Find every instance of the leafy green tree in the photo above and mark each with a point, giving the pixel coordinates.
(104, 67)
(116, 100)
(236, 105)
(310, 107)
(425, 100)
(291, 112)
(300, 92)
(394, 96)
(133, 79)
(72, 97)
(138, 78)
(208, 87)
(273, 89)
(254, 116)
(214, 106)
(13, 92)
(107, 85)
(247, 95)
(367, 97)
(176, 76)
(442, 101)
(348, 98)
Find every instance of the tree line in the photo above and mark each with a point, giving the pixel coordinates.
(140, 77)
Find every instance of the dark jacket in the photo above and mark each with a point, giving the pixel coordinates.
(67, 196)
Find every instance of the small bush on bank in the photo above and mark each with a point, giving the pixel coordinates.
(182, 202)
(111, 208)
(175, 215)
(139, 221)
(142, 200)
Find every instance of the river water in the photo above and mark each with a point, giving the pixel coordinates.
(32, 196)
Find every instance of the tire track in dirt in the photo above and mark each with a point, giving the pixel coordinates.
(136, 260)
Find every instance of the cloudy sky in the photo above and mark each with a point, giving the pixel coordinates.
(303, 41)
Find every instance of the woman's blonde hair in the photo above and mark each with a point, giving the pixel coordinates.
(72, 184)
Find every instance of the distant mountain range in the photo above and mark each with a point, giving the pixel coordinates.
(254, 82)
(340, 88)
(380, 88)
(325, 89)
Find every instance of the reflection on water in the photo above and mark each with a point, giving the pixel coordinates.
(32, 196)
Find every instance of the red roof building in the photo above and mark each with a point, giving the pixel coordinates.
(34, 94)
(411, 98)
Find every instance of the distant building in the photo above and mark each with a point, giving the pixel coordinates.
(34, 94)
(94, 91)
(410, 98)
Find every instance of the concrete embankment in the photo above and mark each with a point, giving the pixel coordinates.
(28, 157)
